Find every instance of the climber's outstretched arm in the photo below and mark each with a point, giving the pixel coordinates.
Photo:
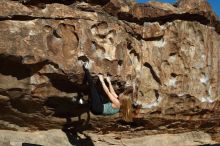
(114, 100)
(111, 88)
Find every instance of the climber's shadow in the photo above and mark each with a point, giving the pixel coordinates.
(64, 107)
(74, 135)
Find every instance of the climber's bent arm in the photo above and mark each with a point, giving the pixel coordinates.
(114, 100)
(111, 88)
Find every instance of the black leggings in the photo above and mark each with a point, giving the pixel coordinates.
(96, 106)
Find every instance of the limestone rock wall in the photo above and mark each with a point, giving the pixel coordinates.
(165, 50)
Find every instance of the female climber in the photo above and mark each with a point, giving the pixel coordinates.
(120, 102)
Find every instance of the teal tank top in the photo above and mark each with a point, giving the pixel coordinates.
(109, 110)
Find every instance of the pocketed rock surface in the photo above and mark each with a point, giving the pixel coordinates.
(170, 52)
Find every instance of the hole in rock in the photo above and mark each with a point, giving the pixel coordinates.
(102, 36)
(102, 25)
(112, 32)
(141, 93)
(156, 93)
(56, 34)
(173, 75)
(120, 62)
(159, 38)
(129, 46)
(135, 54)
(172, 54)
(83, 58)
(111, 40)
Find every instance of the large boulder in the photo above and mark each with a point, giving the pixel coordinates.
(170, 52)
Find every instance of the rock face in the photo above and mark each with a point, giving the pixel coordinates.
(170, 52)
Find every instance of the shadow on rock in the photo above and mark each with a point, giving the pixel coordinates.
(29, 144)
(74, 133)
(63, 107)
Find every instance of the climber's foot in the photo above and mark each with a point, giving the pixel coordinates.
(86, 66)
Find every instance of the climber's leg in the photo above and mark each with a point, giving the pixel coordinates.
(96, 106)
(96, 101)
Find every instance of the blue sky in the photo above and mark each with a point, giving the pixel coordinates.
(214, 3)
